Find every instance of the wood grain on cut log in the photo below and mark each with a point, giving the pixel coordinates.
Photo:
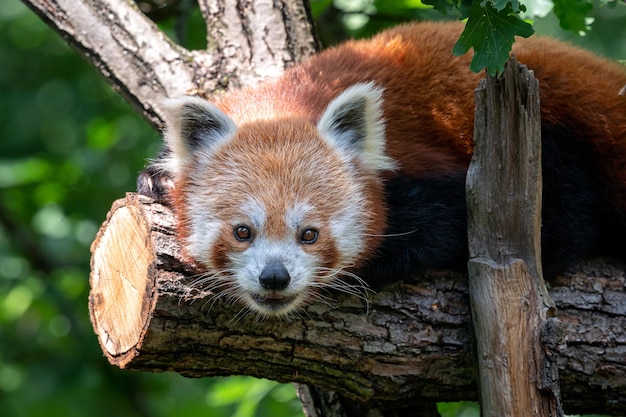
(509, 299)
(410, 345)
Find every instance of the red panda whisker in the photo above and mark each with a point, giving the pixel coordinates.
(221, 277)
(210, 274)
(211, 302)
(392, 234)
(240, 316)
(205, 274)
(213, 286)
(198, 284)
(339, 272)
(360, 291)
(346, 289)
(194, 280)
(225, 296)
(358, 295)
(341, 286)
(317, 297)
(209, 287)
(227, 292)
(214, 293)
(233, 295)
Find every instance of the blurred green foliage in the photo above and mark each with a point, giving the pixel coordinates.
(69, 146)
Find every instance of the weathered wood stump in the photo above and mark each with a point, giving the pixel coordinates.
(511, 307)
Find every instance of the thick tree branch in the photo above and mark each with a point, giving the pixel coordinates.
(410, 344)
(126, 47)
(145, 66)
(257, 39)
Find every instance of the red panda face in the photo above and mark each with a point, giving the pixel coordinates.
(277, 209)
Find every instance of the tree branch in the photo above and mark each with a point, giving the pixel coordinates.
(138, 60)
(410, 344)
(258, 39)
(145, 66)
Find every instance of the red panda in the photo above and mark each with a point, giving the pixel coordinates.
(352, 165)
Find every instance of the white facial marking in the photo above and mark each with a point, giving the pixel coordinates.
(204, 233)
(296, 215)
(253, 213)
(346, 226)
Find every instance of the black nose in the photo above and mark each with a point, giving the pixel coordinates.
(274, 276)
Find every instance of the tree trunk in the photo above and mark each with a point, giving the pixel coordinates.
(509, 299)
(409, 345)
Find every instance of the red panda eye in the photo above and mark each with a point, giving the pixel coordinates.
(243, 233)
(309, 236)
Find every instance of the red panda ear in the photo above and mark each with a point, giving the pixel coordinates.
(353, 124)
(195, 126)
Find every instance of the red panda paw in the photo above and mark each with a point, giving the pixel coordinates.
(155, 183)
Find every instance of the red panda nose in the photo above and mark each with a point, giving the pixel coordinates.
(274, 276)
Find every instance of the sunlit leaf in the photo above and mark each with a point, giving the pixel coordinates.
(500, 5)
(491, 34)
(16, 302)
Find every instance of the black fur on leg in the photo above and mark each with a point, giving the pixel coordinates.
(427, 229)
(574, 206)
(154, 182)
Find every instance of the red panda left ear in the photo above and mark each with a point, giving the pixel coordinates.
(353, 124)
(194, 127)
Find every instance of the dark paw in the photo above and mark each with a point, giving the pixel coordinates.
(154, 183)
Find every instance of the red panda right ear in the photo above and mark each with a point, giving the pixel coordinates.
(353, 124)
(194, 127)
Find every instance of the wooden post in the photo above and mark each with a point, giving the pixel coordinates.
(510, 305)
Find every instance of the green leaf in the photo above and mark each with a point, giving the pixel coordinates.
(499, 5)
(573, 14)
(491, 33)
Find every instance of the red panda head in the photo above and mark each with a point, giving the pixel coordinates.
(276, 208)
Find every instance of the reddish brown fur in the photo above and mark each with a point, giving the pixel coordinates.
(430, 91)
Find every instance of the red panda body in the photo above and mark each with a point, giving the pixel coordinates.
(353, 164)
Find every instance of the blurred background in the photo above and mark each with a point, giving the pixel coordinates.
(70, 146)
